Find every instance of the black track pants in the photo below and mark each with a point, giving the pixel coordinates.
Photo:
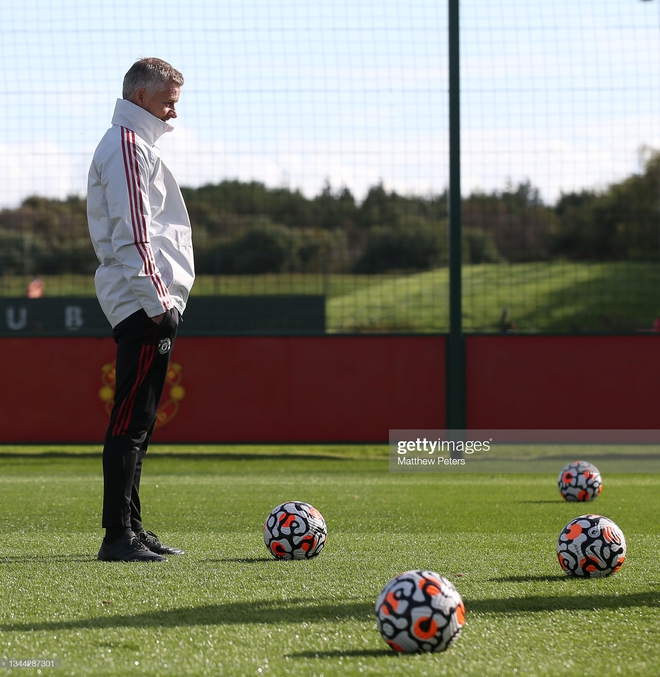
(143, 357)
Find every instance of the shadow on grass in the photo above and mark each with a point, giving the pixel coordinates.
(356, 653)
(590, 455)
(47, 559)
(531, 578)
(192, 456)
(239, 560)
(36, 455)
(544, 500)
(297, 611)
(577, 602)
(266, 612)
(613, 297)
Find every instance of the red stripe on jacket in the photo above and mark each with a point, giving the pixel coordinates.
(138, 218)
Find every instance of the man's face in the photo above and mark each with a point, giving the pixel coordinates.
(162, 104)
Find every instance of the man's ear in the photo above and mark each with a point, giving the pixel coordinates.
(138, 97)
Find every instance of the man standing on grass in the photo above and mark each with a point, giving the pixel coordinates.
(141, 233)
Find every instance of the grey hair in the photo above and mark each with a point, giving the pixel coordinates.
(151, 74)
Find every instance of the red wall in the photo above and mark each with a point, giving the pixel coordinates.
(338, 388)
(234, 389)
(554, 382)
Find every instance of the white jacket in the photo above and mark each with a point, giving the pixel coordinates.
(137, 220)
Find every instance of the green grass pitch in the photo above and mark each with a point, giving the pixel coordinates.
(227, 608)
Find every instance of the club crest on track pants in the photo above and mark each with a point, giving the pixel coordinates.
(143, 357)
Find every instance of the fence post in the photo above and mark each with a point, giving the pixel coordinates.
(455, 351)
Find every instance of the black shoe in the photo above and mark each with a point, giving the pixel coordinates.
(151, 541)
(128, 549)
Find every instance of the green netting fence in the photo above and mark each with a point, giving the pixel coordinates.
(312, 145)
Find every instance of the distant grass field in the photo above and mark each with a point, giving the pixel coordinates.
(227, 608)
(539, 297)
(210, 285)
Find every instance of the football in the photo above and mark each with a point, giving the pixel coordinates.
(579, 481)
(419, 611)
(295, 530)
(591, 546)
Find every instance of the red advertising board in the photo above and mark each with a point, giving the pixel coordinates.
(557, 382)
(232, 389)
(334, 388)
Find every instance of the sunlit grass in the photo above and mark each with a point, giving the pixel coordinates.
(227, 608)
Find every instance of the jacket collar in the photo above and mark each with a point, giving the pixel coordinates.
(139, 120)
